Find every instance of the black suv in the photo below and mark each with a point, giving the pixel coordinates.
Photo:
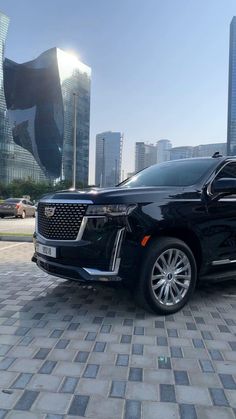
(160, 231)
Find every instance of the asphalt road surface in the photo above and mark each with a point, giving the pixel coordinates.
(17, 225)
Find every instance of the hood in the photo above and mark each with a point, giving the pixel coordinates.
(118, 195)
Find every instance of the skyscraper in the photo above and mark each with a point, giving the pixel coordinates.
(108, 158)
(145, 155)
(183, 152)
(231, 131)
(163, 150)
(37, 115)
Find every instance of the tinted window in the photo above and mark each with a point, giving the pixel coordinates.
(173, 173)
(229, 171)
(13, 200)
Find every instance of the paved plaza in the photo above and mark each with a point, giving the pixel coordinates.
(17, 225)
(71, 351)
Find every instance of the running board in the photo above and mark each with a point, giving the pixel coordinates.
(219, 276)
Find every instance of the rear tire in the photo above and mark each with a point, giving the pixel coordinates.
(2, 216)
(23, 215)
(168, 276)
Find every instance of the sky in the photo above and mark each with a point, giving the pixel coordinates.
(159, 67)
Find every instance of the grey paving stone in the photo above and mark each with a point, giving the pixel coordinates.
(216, 355)
(27, 399)
(118, 389)
(164, 363)
(162, 341)
(62, 344)
(101, 408)
(159, 410)
(192, 395)
(4, 349)
(99, 347)
(91, 371)
(122, 360)
(128, 322)
(218, 397)
(187, 411)
(167, 393)
(45, 382)
(56, 333)
(22, 381)
(132, 409)
(56, 403)
(135, 374)
(137, 349)
(206, 365)
(233, 345)
(6, 363)
(42, 353)
(228, 381)
(47, 367)
(106, 328)
(69, 384)
(198, 343)
(82, 356)
(172, 333)
(3, 413)
(176, 352)
(22, 331)
(26, 340)
(181, 378)
(78, 405)
(52, 416)
(213, 412)
(138, 330)
(91, 336)
(126, 339)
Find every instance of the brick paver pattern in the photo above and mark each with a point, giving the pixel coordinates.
(73, 351)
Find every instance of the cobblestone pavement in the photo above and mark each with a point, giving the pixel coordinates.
(69, 351)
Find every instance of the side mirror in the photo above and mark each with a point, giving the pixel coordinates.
(224, 185)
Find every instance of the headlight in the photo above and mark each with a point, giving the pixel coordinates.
(114, 210)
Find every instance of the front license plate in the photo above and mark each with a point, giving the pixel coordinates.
(46, 250)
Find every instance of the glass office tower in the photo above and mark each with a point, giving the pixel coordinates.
(6, 146)
(39, 96)
(231, 132)
(108, 158)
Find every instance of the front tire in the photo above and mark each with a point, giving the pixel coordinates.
(168, 276)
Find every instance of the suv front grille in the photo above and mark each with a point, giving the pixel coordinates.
(65, 222)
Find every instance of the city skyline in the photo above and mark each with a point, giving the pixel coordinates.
(183, 97)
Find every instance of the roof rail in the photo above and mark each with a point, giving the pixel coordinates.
(216, 155)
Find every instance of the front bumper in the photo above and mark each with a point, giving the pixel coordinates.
(95, 257)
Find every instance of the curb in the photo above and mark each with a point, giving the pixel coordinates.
(27, 239)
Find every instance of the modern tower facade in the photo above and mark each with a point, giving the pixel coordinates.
(145, 155)
(163, 150)
(37, 114)
(207, 150)
(183, 152)
(40, 101)
(231, 130)
(108, 158)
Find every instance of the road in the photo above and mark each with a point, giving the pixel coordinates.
(17, 225)
(70, 351)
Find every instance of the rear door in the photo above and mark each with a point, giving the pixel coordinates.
(222, 224)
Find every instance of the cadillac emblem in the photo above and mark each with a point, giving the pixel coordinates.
(49, 211)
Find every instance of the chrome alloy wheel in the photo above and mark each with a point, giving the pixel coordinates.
(171, 277)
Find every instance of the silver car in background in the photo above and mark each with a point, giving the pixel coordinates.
(17, 207)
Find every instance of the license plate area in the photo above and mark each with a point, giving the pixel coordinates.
(46, 250)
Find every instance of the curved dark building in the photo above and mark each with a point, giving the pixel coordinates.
(39, 99)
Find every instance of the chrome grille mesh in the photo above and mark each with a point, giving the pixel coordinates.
(65, 222)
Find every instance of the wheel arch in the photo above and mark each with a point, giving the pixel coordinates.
(186, 235)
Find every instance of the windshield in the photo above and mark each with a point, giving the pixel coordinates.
(173, 173)
(13, 200)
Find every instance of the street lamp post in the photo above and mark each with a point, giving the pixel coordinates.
(74, 144)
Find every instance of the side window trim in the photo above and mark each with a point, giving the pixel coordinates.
(209, 191)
